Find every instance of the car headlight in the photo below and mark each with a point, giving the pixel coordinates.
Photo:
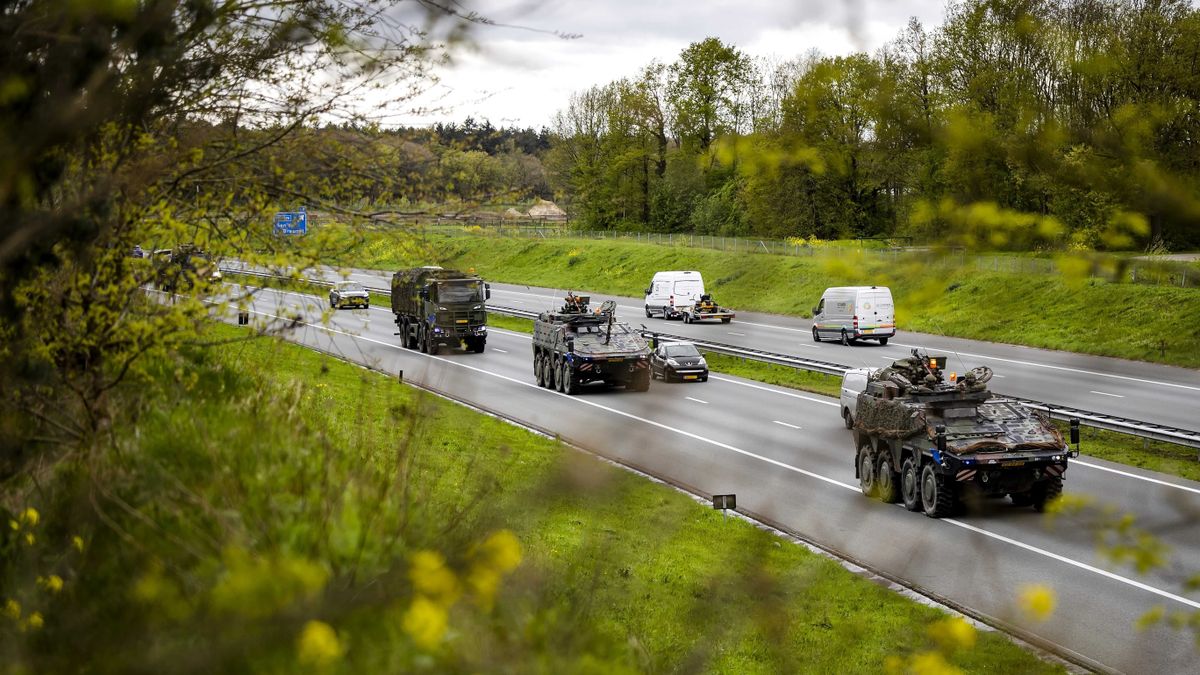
(672, 362)
(703, 363)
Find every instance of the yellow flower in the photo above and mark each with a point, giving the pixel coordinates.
(34, 622)
(953, 633)
(52, 583)
(77, 542)
(12, 609)
(431, 577)
(318, 645)
(30, 517)
(1037, 601)
(425, 622)
(501, 551)
(13, 524)
(931, 663)
(29, 538)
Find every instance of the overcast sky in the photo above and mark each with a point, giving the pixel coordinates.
(521, 75)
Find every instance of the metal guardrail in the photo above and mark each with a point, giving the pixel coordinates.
(1149, 430)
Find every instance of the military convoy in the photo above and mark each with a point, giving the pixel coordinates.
(436, 307)
(935, 443)
(575, 346)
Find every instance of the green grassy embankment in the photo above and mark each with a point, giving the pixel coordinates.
(1122, 320)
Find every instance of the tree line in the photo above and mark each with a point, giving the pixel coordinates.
(1015, 124)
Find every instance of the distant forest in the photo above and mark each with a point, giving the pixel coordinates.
(1015, 124)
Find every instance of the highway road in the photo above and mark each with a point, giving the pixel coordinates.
(789, 460)
(1133, 389)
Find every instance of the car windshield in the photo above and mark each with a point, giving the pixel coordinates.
(461, 291)
(682, 350)
(352, 286)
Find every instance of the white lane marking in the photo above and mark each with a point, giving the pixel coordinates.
(696, 400)
(497, 349)
(1127, 474)
(738, 334)
(785, 424)
(774, 462)
(1103, 393)
(767, 325)
(999, 376)
(808, 346)
(776, 391)
(836, 404)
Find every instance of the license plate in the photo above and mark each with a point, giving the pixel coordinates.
(461, 321)
(690, 377)
(616, 360)
(868, 330)
(1016, 463)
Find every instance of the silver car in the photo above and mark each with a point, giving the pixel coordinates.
(349, 294)
(854, 382)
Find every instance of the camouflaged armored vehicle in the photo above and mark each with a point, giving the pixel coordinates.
(933, 441)
(575, 346)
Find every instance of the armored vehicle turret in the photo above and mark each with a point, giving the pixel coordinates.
(576, 345)
(932, 440)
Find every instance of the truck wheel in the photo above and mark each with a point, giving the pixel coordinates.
(687, 317)
(910, 484)
(937, 498)
(847, 418)
(866, 471)
(422, 339)
(816, 336)
(887, 480)
(476, 345)
(1045, 493)
(410, 335)
(883, 342)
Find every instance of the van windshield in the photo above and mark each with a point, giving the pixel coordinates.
(689, 287)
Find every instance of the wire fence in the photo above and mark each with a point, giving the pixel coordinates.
(1093, 265)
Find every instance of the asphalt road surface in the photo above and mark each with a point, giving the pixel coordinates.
(789, 460)
(1132, 389)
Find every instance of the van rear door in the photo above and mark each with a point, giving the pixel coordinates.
(688, 291)
(876, 311)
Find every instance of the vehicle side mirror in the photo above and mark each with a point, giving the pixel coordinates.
(815, 311)
(941, 437)
(571, 344)
(423, 293)
(487, 291)
(648, 291)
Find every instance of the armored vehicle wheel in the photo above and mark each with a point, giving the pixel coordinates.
(866, 471)
(537, 370)
(887, 480)
(883, 342)
(1045, 492)
(937, 498)
(570, 386)
(910, 484)
(816, 336)
(557, 372)
(847, 418)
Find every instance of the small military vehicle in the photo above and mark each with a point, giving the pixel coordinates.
(706, 309)
(436, 307)
(936, 442)
(574, 346)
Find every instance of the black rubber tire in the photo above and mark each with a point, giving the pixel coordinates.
(555, 375)
(1045, 493)
(477, 345)
(569, 386)
(687, 318)
(726, 320)
(411, 336)
(647, 311)
(537, 370)
(845, 339)
(367, 306)
(422, 340)
(704, 378)
(866, 471)
(887, 480)
(816, 336)
(937, 498)
(910, 484)
(883, 342)
(640, 382)
(847, 418)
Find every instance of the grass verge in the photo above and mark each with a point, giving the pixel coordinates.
(1054, 312)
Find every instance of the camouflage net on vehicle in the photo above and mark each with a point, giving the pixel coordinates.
(887, 419)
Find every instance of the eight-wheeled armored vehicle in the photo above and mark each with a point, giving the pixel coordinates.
(574, 346)
(435, 307)
(935, 442)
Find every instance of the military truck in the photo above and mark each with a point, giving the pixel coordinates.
(436, 307)
(575, 346)
(937, 443)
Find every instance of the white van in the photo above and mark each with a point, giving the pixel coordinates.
(850, 313)
(670, 292)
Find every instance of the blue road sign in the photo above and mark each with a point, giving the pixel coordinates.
(292, 222)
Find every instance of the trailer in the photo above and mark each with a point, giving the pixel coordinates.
(706, 309)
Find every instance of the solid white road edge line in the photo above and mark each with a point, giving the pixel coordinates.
(835, 404)
(998, 537)
(1103, 393)
(785, 424)
(696, 400)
